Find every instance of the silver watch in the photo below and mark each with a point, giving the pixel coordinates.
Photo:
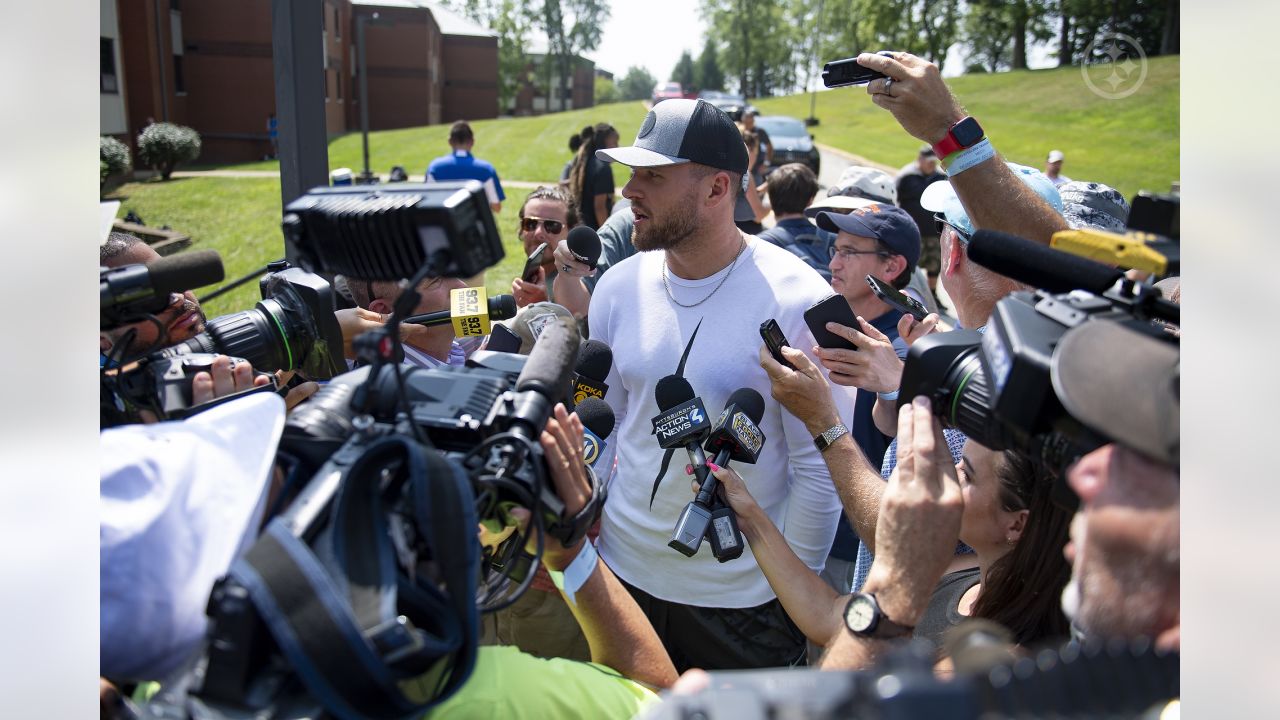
(829, 436)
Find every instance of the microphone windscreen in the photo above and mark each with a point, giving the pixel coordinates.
(750, 402)
(585, 243)
(529, 322)
(551, 361)
(594, 361)
(185, 271)
(671, 391)
(502, 307)
(596, 416)
(1038, 265)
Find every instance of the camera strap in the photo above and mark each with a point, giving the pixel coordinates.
(367, 640)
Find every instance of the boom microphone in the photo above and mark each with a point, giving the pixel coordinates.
(584, 245)
(146, 288)
(1039, 266)
(464, 311)
(544, 381)
(597, 424)
(594, 361)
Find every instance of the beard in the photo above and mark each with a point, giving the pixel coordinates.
(673, 230)
(1110, 596)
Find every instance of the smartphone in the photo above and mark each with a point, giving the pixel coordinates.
(833, 308)
(897, 299)
(531, 265)
(839, 73)
(775, 340)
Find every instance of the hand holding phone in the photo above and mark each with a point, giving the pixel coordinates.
(775, 341)
(839, 73)
(897, 299)
(531, 265)
(833, 308)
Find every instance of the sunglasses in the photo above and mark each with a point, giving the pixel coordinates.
(942, 226)
(530, 224)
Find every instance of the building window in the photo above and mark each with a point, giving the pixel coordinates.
(108, 82)
(337, 25)
(179, 79)
(337, 76)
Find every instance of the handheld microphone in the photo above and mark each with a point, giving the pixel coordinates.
(735, 436)
(1042, 267)
(683, 422)
(597, 424)
(131, 289)
(584, 245)
(469, 312)
(594, 360)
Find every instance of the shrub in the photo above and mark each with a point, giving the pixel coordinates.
(113, 157)
(162, 146)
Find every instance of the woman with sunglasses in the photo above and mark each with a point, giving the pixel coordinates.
(546, 217)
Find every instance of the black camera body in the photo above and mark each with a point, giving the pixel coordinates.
(996, 386)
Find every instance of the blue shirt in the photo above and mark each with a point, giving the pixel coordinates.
(462, 165)
(805, 240)
(869, 438)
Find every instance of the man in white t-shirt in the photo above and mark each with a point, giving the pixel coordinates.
(691, 303)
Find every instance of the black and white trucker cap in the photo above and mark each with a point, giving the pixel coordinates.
(681, 131)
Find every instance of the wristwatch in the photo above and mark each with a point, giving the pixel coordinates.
(863, 617)
(965, 133)
(830, 435)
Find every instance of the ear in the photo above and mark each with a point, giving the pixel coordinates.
(1013, 532)
(955, 255)
(893, 267)
(380, 305)
(719, 188)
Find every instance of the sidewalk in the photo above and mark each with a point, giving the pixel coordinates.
(276, 174)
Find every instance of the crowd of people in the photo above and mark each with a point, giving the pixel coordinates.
(867, 521)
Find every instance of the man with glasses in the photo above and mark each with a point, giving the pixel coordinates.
(880, 240)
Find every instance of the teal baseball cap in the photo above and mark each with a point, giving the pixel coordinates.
(940, 197)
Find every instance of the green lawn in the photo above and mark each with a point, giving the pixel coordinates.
(240, 218)
(1130, 144)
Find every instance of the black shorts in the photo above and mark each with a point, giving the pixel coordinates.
(724, 638)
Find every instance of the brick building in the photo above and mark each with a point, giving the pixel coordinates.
(541, 91)
(209, 65)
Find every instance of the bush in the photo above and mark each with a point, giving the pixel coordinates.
(162, 146)
(113, 157)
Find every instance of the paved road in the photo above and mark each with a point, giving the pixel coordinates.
(835, 161)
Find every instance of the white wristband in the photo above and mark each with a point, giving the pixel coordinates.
(889, 396)
(571, 580)
(971, 156)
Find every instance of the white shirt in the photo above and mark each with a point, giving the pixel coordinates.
(180, 501)
(631, 312)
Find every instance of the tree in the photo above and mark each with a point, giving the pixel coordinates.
(512, 21)
(113, 158)
(707, 74)
(606, 91)
(572, 27)
(683, 72)
(637, 84)
(1153, 24)
(757, 42)
(163, 146)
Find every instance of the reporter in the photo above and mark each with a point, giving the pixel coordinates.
(180, 321)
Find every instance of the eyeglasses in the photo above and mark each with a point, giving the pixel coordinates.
(530, 224)
(942, 224)
(847, 254)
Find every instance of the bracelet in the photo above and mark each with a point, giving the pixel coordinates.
(970, 156)
(573, 577)
(889, 396)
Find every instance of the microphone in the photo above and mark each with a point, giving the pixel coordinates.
(1108, 248)
(146, 288)
(682, 422)
(597, 423)
(735, 436)
(469, 312)
(1030, 262)
(594, 360)
(584, 245)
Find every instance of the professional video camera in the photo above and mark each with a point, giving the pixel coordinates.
(293, 327)
(1001, 387)
(360, 599)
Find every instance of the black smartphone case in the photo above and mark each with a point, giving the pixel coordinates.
(833, 308)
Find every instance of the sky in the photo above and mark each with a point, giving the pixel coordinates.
(653, 33)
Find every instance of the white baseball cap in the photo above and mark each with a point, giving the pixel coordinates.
(1056, 156)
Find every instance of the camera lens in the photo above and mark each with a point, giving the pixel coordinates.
(964, 398)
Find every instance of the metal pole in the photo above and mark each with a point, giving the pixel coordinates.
(366, 177)
(298, 53)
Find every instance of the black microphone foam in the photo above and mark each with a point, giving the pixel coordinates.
(584, 243)
(597, 416)
(750, 402)
(1038, 265)
(185, 271)
(550, 364)
(502, 307)
(671, 391)
(594, 360)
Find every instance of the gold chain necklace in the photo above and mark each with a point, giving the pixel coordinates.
(733, 264)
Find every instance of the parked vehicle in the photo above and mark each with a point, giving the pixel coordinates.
(668, 91)
(731, 104)
(791, 141)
